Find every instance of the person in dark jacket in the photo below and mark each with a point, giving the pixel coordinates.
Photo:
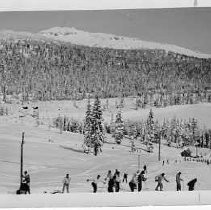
(117, 181)
(110, 180)
(66, 183)
(160, 179)
(141, 179)
(111, 183)
(178, 181)
(26, 182)
(132, 183)
(191, 184)
(94, 183)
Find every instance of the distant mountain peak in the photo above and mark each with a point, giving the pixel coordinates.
(58, 31)
(103, 40)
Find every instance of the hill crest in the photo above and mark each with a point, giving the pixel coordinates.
(112, 41)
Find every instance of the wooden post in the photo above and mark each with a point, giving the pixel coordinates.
(21, 163)
(61, 126)
(60, 122)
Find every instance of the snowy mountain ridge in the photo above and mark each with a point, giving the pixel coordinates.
(103, 40)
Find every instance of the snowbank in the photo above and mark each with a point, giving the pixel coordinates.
(106, 199)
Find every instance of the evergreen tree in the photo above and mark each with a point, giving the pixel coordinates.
(195, 131)
(150, 126)
(133, 131)
(119, 128)
(88, 125)
(96, 131)
(164, 129)
(173, 130)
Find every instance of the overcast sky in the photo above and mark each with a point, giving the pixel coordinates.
(186, 27)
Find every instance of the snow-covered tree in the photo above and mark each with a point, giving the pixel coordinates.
(119, 128)
(195, 131)
(88, 125)
(94, 134)
(97, 131)
(173, 130)
(150, 126)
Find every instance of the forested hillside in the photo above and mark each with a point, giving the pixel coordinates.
(35, 67)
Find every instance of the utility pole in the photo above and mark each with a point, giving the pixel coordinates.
(21, 163)
(60, 122)
(159, 148)
(196, 151)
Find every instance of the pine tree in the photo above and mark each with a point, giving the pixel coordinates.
(173, 130)
(119, 128)
(88, 125)
(150, 126)
(164, 129)
(195, 131)
(96, 131)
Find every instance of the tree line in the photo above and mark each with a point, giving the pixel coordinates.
(172, 132)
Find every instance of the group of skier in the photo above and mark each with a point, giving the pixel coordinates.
(113, 181)
(136, 182)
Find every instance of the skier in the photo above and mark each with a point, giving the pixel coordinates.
(94, 183)
(125, 177)
(117, 181)
(140, 179)
(160, 179)
(178, 181)
(132, 183)
(66, 183)
(26, 182)
(110, 180)
(191, 184)
(111, 184)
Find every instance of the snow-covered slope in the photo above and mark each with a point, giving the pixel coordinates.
(112, 41)
(49, 154)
